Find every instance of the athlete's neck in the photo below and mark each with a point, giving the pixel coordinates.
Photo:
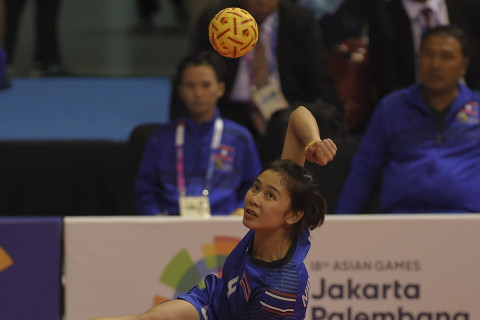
(203, 116)
(268, 247)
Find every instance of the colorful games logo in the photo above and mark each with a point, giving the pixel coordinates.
(182, 273)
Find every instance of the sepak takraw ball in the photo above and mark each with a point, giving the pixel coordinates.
(233, 32)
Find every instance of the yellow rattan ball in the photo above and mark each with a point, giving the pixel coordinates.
(233, 32)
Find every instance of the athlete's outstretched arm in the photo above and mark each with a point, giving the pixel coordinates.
(302, 140)
(169, 310)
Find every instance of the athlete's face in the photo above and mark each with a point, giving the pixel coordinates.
(200, 90)
(267, 204)
(442, 63)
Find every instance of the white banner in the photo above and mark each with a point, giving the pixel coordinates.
(369, 267)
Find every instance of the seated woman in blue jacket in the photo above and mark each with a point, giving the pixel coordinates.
(201, 164)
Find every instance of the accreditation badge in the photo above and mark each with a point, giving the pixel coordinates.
(194, 206)
(269, 99)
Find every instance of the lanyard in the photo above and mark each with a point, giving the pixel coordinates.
(179, 143)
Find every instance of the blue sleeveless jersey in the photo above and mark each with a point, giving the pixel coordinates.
(255, 289)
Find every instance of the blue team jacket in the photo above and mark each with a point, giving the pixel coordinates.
(426, 166)
(255, 289)
(237, 166)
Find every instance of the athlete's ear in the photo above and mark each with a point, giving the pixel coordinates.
(294, 217)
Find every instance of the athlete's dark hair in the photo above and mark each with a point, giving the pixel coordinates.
(303, 193)
(451, 31)
(207, 58)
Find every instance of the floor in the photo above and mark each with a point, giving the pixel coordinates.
(96, 40)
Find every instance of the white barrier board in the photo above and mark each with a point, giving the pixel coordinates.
(371, 267)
